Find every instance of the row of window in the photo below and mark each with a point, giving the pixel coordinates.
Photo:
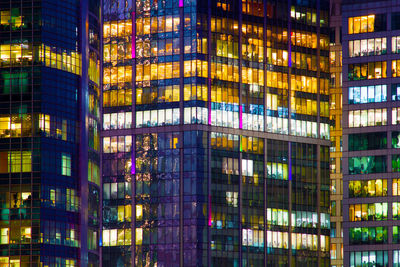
(116, 144)
(373, 258)
(16, 261)
(367, 94)
(15, 235)
(370, 117)
(368, 235)
(117, 98)
(60, 233)
(305, 219)
(117, 190)
(364, 24)
(370, 212)
(121, 120)
(373, 188)
(117, 28)
(368, 164)
(161, 117)
(51, 126)
(368, 141)
(369, 70)
(61, 198)
(370, 188)
(367, 47)
(119, 237)
(372, 70)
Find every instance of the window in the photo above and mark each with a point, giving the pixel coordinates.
(396, 258)
(370, 258)
(247, 167)
(368, 212)
(368, 235)
(15, 161)
(369, 23)
(364, 165)
(395, 163)
(4, 236)
(368, 94)
(368, 141)
(161, 117)
(395, 68)
(370, 117)
(370, 70)
(396, 187)
(116, 144)
(367, 47)
(395, 20)
(114, 237)
(333, 207)
(122, 120)
(396, 44)
(396, 210)
(368, 188)
(396, 234)
(66, 164)
(333, 251)
(26, 234)
(139, 212)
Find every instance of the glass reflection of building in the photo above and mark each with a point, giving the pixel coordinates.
(216, 133)
(370, 133)
(49, 133)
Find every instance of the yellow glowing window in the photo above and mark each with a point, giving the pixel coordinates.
(139, 212)
(139, 236)
(26, 234)
(4, 236)
(15, 161)
(128, 237)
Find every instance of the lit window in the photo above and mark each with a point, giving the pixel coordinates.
(139, 212)
(4, 236)
(26, 234)
(15, 161)
(139, 236)
(66, 164)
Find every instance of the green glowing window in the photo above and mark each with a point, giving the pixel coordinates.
(66, 164)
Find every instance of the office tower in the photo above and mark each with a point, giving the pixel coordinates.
(335, 94)
(49, 132)
(370, 132)
(216, 133)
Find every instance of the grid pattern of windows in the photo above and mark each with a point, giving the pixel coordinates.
(43, 49)
(191, 94)
(370, 162)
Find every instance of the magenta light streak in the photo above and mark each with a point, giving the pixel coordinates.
(133, 162)
(133, 35)
(180, 3)
(209, 211)
(209, 103)
(240, 117)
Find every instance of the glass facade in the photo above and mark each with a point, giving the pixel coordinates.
(335, 107)
(216, 133)
(49, 110)
(370, 138)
